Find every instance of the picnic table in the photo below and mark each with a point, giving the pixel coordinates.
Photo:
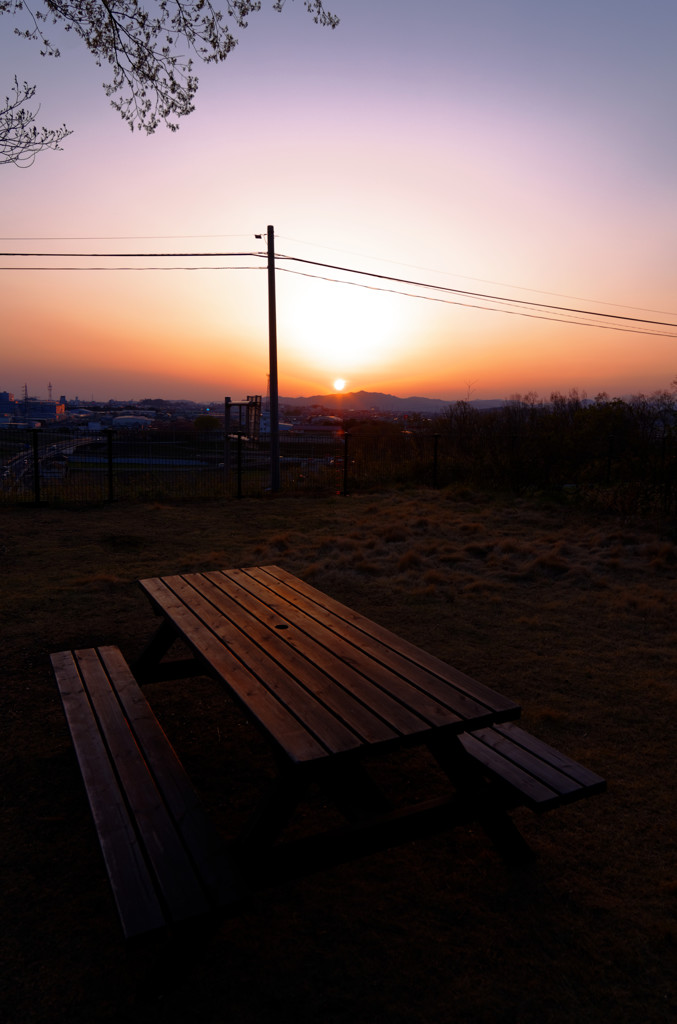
(332, 691)
(329, 688)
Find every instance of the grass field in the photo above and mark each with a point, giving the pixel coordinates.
(571, 615)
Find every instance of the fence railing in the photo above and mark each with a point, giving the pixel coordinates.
(68, 466)
(64, 466)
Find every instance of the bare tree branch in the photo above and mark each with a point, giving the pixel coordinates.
(20, 139)
(150, 46)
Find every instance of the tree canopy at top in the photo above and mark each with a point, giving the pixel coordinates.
(150, 48)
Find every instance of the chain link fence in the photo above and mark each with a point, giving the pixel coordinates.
(61, 466)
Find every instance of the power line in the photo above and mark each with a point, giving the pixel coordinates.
(479, 296)
(476, 295)
(486, 309)
(317, 245)
(101, 238)
(482, 280)
(129, 255)
(132, 270)
(381, 259)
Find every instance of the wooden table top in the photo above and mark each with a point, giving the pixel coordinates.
(320, 678)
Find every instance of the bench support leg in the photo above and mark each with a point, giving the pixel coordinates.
(481, 799)
(146, 664)
(149, 667)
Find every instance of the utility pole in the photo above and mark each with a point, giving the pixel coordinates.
(272, 345)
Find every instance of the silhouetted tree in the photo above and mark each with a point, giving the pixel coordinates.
(150, 48)
(20, 139)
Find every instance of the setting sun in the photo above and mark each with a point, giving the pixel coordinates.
(339, 384)
(337, 332)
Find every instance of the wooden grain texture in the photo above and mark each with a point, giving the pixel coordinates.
(200, 840)
(275, 719)
(164, 860)
(406, 656)
(366, 675)
(328, 685)
(169, 860)
(131, 880)
(541, 775)
(319, 678)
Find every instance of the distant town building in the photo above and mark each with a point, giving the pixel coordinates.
(31, 409)
(6, 404)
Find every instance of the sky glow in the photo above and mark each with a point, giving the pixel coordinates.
(514, 149)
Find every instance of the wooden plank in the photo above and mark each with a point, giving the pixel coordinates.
(536, 793)
(175, 874)
(367, 710)
(274, 717)
(131, 881)
(197, 832)
(325, 605)
(411, 710)
(527, 764)
(254, 649)
(427, 672)
(318, 677)
(592, 782)
(353, 699)
(554, 779)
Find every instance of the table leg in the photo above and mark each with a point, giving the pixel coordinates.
(481, 798)
(149, 667)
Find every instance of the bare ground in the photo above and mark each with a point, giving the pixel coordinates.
(570, 614)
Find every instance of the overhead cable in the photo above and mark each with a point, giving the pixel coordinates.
(479, 296)
(475, 295)
(483, 280)
(486, 309)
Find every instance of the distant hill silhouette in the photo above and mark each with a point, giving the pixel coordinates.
(362, 401)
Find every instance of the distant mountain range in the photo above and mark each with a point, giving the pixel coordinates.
(362, 401)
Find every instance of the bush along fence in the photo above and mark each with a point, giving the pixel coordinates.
(612, 455)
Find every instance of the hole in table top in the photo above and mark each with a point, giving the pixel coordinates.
(282, 625)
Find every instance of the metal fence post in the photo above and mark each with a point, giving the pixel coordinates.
(609, 457)
(345, 464)
(226, 435)
(36, 467)
(109, 453)
(239, 463)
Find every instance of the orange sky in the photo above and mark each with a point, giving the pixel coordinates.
(508, 153)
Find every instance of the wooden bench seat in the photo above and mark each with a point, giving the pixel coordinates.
(529, 771)
(165, 862)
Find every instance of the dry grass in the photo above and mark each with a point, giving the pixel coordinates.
(572, 616)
